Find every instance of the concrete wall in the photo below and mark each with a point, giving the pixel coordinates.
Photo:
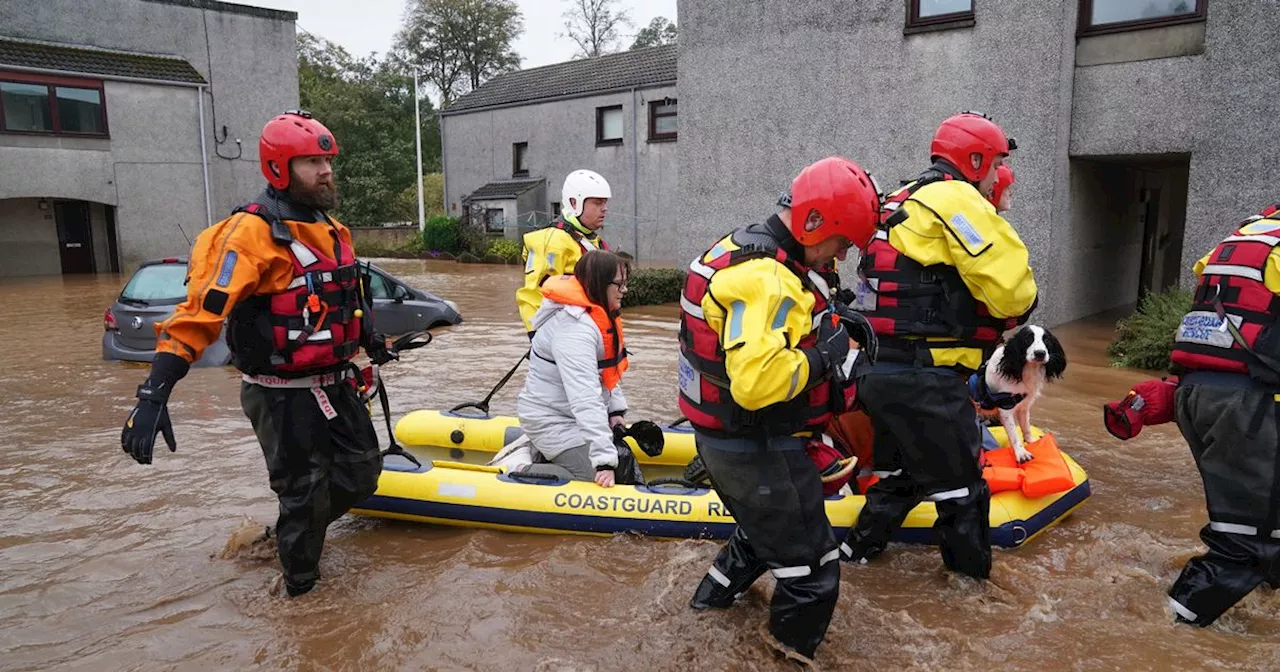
(151, 166)
(28, 239)
(840, 77)
(383, 236)
(561, 137)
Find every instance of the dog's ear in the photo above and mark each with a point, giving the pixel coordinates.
(1014, 357)
(1057, 364)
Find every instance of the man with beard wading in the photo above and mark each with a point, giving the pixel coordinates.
(283, 276)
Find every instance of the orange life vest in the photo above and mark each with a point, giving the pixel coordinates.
(566, 290)
(1046, 474)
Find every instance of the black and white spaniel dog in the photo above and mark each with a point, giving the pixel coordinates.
(1015, 376)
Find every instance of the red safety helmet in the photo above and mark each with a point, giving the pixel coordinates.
(288, 136)
(846, 196)
(960, 137)
(1004, 180)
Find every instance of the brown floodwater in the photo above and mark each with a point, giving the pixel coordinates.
(106, 564)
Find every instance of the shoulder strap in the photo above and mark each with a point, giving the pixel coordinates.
(263, 207)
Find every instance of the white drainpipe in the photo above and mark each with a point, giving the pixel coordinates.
(204, 159)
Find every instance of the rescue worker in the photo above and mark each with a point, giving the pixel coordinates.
(764, 364)
(1000, 195)
(553, 250)
(283, 275)
(944, 277)
(1227, 405)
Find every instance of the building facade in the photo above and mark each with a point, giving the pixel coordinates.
(128, 126)
(1145, 128)
(509, 144)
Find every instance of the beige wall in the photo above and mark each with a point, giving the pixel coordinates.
(28, 239)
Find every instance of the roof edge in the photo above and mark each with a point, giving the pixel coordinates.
(232, 8)
(93, 47)
(552, 99)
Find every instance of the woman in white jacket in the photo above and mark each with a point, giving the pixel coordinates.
(571, 398)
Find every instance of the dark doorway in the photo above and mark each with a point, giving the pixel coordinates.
(113, 252)
(1128, 216)
(75, 239)
(1155, 242)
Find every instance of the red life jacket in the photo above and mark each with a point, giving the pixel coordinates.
(901, 297)
(580, 238)
(1233, 286)
(312, 326)
(704, 382)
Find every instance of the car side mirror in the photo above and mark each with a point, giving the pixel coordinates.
(399, 294)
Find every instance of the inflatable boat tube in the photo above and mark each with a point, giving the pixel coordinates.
(468, 495)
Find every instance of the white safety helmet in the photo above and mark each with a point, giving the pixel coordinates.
(578, 187)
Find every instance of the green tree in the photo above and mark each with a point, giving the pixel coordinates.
(660, 31)
(368, 104)
(458, 45)
(595, 25)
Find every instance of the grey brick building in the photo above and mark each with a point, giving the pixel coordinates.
(127, 126)
(509, 144)
(1146, 128)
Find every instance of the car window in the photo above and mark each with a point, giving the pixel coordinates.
(380, 285)
(157, 283)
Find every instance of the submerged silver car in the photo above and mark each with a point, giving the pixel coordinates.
(159, 285)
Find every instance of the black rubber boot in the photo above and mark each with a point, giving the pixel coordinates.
(802, 606)
(964, 531)
(1212, 583)
(888, 503)
(735, 568)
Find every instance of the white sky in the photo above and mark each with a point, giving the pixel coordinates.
(370, 25)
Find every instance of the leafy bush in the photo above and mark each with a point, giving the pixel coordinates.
(648, 286)
(442, 234)
(505, 248)
(1145, 339)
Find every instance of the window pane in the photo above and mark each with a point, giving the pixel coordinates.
(378, 286)
(79, 110)
(521, 150)
(663, 125)
(26, 107)
(157, 283)
(664, 108)
(1114, 11)
(930, 8)
(494, 217)
(612, 125)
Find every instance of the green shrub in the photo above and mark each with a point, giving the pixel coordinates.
(649, 286)
(1145, 339)
(505, 248)
(442, 234)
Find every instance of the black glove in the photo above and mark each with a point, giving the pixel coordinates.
(151, 416)
(828, 355)
(648, 436)
(861, 331)
(377, 350)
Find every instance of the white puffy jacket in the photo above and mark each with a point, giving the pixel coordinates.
(564, 404)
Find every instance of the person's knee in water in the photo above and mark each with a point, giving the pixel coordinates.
(572, 398)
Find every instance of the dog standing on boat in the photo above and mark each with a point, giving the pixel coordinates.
(1014, 378)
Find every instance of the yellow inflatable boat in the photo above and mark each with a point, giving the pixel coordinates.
(472, 495)
(460, 437)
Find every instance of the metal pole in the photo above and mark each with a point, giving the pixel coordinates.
(417, 133)
(635, 197)
(204, 159)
